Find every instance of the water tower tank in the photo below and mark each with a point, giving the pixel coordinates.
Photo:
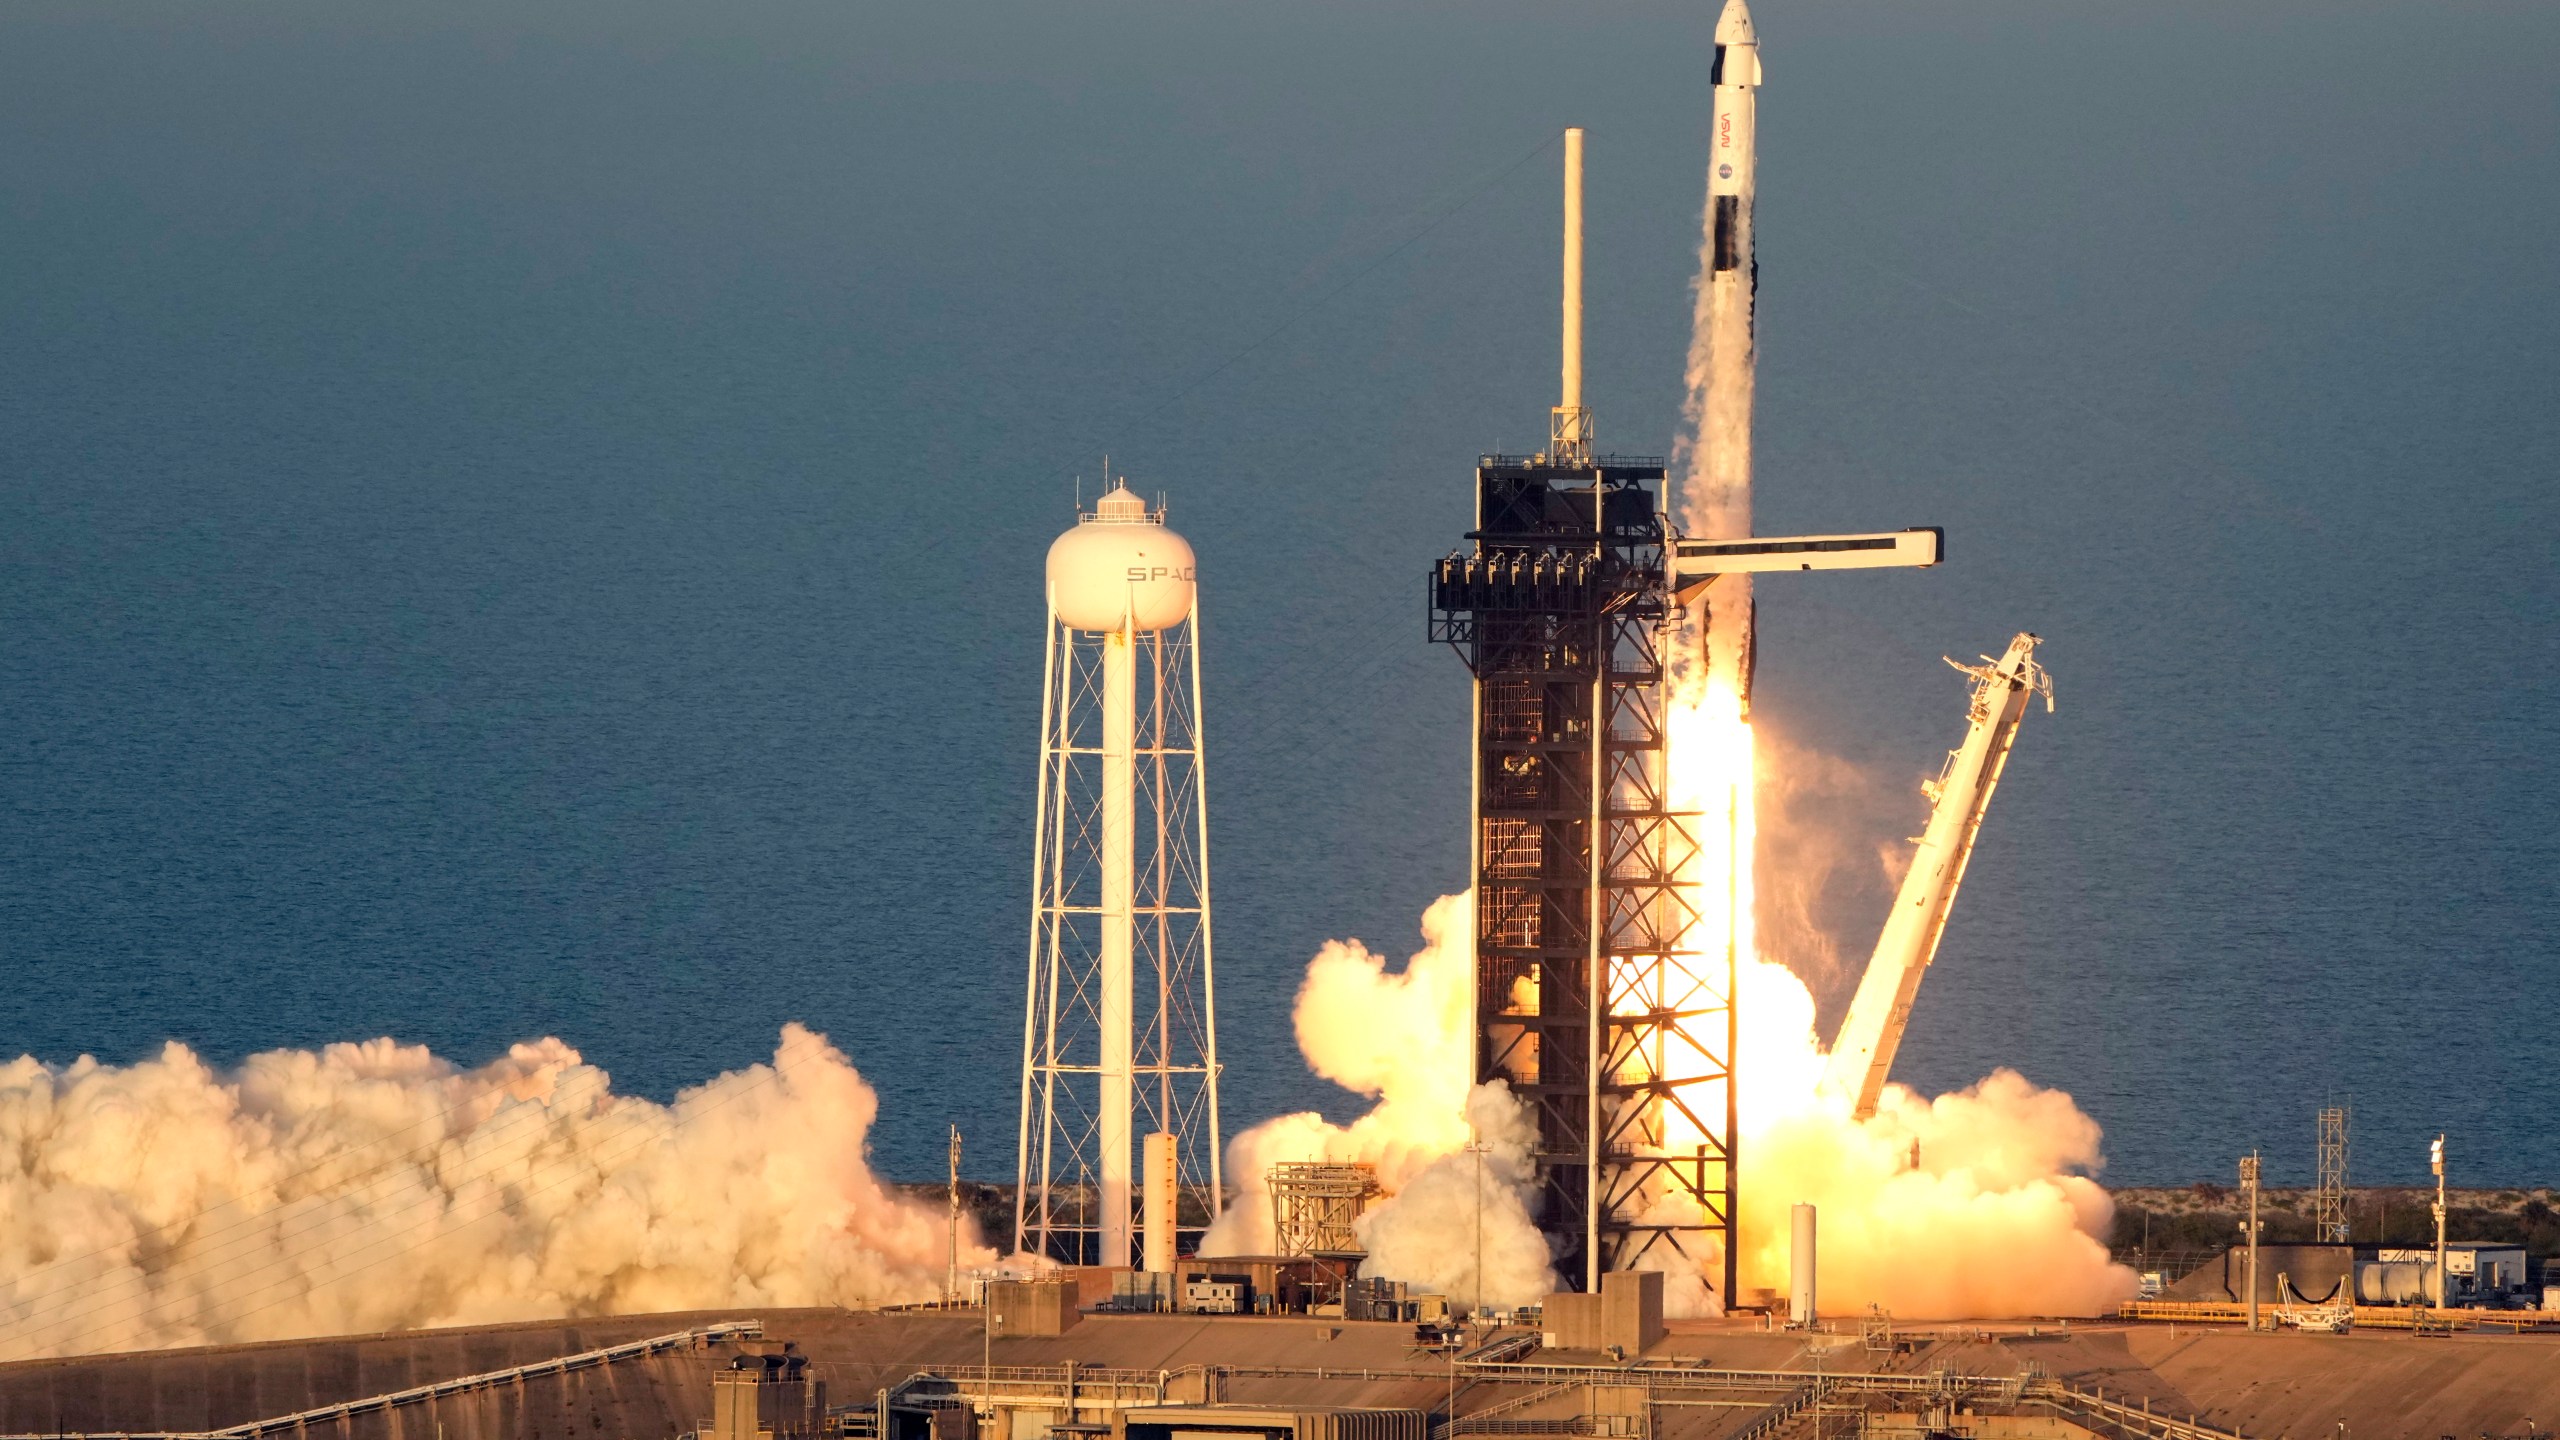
(1121, 565)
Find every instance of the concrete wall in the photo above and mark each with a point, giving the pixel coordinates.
(208, 1389)
(1031, 1307)
(2315, 1271)
(1631, 1309)
(853, 1352)
(1627, 1313)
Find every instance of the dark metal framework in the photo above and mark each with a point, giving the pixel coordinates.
(2329, 1221)
(1583, 870)
(1316, 1206)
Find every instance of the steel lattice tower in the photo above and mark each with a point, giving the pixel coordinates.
(2329, 1205)
(1119, 1031)
(1589, 1000)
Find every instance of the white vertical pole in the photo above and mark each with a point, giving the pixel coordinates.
(1572, 270)
(1062, 737)
(2249, 1185)
(1159, 907)
(2436, 1162)
(1031, 990)
(1208, 951)
(1119, 926)
(1801, 1307)
(951, 1285)
(1159, 1209)
(1596, 1037)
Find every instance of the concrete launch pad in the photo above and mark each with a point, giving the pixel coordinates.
(1703, 1381)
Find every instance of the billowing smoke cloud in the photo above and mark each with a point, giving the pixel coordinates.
(1403, 1039)
(1462, 1225)
(1927, 1208)
(1969, 1205)
(367, 1187)
(1977, 1204)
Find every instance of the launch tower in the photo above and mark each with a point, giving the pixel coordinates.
(1599, 999)
(1119, 1030)
(1588, 1000)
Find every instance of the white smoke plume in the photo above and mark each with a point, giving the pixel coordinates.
(1977, 1204)
(1403, 1039)
(374, 1186)
(1711, 458)
(1462, 1225)
(1973, 1205)
(1834, 839)
(1994, 1219)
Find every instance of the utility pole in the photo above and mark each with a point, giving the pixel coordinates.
(2249, 1187)
(951, 1282)
(2436, 1160)
(1477, 1149)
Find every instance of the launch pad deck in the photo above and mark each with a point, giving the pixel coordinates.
(1706, 1380)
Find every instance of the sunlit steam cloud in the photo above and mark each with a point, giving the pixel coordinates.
(373, 1186)
(1403, 1038)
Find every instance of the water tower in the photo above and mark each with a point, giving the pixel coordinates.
(1119, 1035)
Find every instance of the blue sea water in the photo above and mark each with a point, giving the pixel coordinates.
(526, 518)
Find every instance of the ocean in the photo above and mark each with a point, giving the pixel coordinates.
(527, 519)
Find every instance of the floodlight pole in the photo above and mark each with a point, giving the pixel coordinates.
(2437, 1162)
(2249, 1187)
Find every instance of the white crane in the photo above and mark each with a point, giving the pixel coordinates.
(1862, 1055)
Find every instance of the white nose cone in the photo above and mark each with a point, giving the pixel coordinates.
(1121, 569)
(1737, 47)
(1734, 26)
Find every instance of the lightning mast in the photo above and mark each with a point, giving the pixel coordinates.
(1862, 1055)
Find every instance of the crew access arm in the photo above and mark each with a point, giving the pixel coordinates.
(1862, 1055)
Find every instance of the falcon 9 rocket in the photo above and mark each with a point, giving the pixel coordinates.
(1716, 465)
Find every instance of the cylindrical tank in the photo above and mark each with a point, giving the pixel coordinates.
(1157, 1185)
(1800, 1302)
(1121, 568)
(2394, 1282)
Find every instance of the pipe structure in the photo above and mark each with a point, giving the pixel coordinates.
(1801, 1309)
(1158, 1209)
(1118, 970)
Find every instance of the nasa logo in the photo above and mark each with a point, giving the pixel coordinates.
(1724, 172)
(1724, 132)
(1140, 574)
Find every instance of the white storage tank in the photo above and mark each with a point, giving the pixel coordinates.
(1122, 567)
